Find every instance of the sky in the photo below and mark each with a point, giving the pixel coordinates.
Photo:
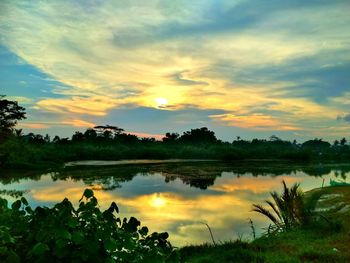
(247, 68)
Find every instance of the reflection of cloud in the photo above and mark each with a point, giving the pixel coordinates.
(178, 209)
(262, 185)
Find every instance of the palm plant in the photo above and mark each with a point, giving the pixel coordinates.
(289, 208)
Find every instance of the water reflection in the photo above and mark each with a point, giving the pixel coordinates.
(176, 198)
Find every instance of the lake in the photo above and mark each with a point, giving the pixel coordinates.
(175, 196)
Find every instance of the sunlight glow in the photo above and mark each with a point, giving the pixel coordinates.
(161, 102)
(157, 201)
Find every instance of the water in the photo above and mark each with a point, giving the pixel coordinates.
(177, 197)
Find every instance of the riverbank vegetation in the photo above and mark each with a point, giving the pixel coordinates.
(112, 143)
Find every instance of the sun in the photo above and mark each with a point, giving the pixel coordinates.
(157, 201)
(161, 102)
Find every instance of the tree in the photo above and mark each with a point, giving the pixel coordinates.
(77, 136)
(336, 143)
(10, 113)
(200, 135)
(316, 144)
(108, 131)
(274, 138)
(170, 137)
(343, 142)
(90, 134)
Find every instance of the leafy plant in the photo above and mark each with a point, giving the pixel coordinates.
(65, 234)
(288, 209)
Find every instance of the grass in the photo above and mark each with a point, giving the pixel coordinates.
(325, 241)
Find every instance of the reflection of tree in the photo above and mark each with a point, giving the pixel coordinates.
(104, 179)
(10, 177)
(198, 182)
(13, 193)
(199, 175)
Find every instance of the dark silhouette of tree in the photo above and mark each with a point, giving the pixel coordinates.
(336, 143)
(170, 137)
(274, 138)
(34, 138)
(126, 138)
(198, 136)
(18, 132)
(343, 141)
(148, 139)
(316, 144)
(47, 138)
(108, 131)
(257, 142)
(56, 139)
(78, 136)
(10, 113)
(90, 134)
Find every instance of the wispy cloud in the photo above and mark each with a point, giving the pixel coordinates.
(254, 121)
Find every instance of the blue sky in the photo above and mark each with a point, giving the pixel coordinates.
(242, 68)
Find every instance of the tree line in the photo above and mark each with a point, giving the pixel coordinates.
(107, 142)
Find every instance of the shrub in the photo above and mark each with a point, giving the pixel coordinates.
(289, 208)
(65, 234)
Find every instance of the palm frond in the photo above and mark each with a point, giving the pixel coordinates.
(272, 205)
(260, 209)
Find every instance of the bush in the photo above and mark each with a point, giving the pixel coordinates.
(86, 234)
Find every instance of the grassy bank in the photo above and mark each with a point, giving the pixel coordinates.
(326, 241)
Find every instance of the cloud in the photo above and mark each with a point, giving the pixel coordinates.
(20, 99)
(181, 79)
(79, 123)
(93, 105)
(31, 125)
(344, 118)
(277, 59)
(44, 125)
(254, 121)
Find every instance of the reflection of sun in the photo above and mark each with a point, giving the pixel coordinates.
(157, 201)
(161, 102)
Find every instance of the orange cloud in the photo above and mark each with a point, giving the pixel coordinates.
(254, 121)
(79, 123)
(30, 125)
(97, 105)
(147, 135)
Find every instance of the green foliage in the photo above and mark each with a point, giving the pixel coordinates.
(10, 113)
(85, 234)
(289, 208)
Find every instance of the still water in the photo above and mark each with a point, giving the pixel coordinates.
(177, 197)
